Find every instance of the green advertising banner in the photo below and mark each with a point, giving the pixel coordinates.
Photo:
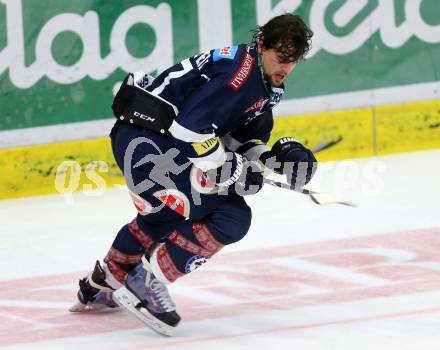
(61, 61)
(370, 85)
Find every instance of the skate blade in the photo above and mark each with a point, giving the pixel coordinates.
(124, 298)
(80, 307)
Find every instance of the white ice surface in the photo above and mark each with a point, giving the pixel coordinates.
(42, 238)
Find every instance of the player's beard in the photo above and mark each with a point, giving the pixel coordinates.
(279, 78)
(271, 81)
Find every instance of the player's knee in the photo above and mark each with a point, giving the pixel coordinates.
(235, 226)
(243, 221)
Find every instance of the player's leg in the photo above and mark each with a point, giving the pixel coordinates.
(188, 246)
(192, 243)
(108, 275)
(131, 241)
(224, 224)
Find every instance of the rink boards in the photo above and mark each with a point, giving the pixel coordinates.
(349, 133)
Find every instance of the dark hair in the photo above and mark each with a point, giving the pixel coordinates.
(287, 34)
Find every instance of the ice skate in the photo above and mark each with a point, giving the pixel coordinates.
(94, 293)
(147, 298)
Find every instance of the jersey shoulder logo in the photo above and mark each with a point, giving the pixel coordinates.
(225, 52)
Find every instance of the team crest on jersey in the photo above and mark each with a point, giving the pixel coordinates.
(143, 80)
(257, 106)
(225, 52)
(194, 263)
(201, 183)
(142, 206)
(174, 200)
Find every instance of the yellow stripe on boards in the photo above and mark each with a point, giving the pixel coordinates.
(28, 171)
(408, 127)
(361, 132)
(353, 127)
(365, 132)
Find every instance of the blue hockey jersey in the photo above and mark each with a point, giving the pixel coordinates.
(220, 100)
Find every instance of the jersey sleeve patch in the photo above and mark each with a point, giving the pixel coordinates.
(203, 148)
(225, 52)
(243, 72)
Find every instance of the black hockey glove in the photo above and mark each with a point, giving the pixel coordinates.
(291, 158)
(238, 175)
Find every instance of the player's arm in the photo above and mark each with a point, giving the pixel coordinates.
(251, 139)
(194, 129)
(290, 157)
(287, 156)
(226, 167)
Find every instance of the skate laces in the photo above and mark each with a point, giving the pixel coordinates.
(160, 293)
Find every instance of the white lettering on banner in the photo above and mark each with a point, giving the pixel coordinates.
(215, 24)
(381, 19)
(87, 28)
(265, 11)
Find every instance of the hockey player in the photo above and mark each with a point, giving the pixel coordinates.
(191, 143)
